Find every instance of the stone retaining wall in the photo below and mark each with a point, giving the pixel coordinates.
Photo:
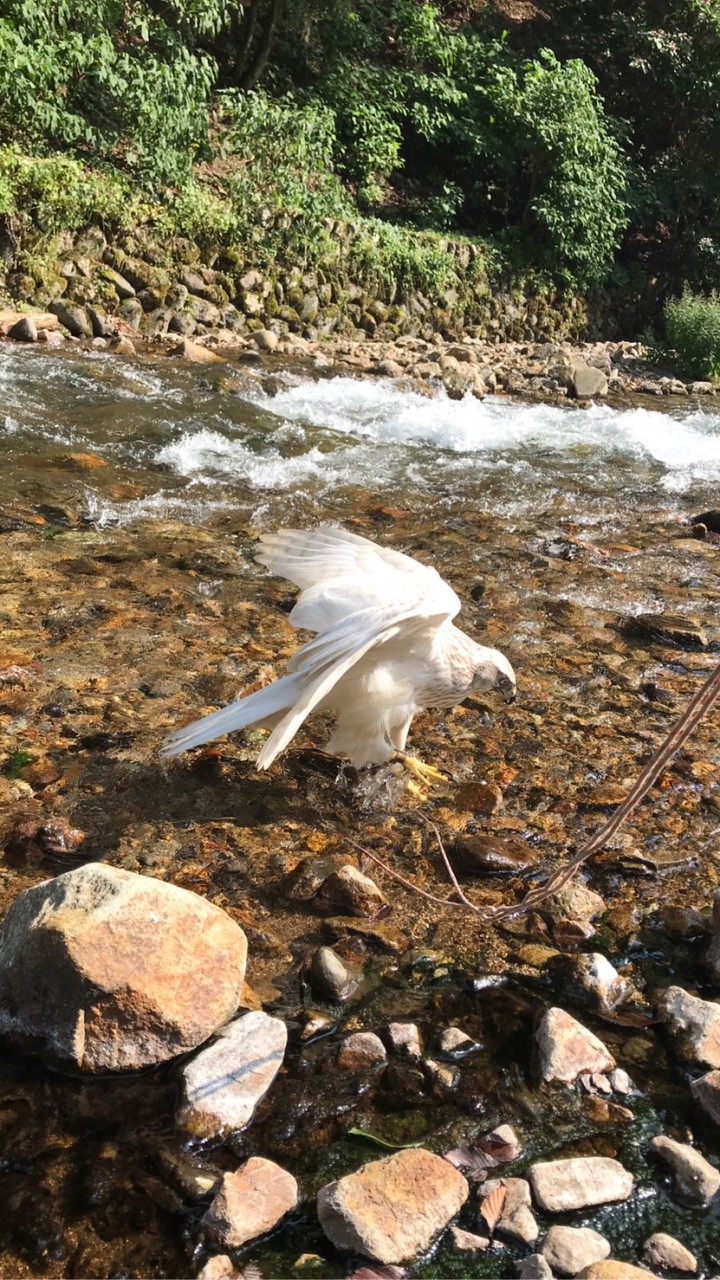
(142, 285)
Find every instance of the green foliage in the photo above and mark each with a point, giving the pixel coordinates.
(16, 762)
(126, 83)
(488, 140)
(693, 328)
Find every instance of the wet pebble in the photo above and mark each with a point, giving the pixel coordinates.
(566, 1049)
(579, 1182)
(569, 1249)
(601, 980)
(223, 1084)
(442, 1075)
(457, 1043)
(404, 1039)
(221, 1267)
(362, 1051)
(249, 1202)
(695, 1180)
(466, 1241)
(486, 855)
(667, 1253)
(392, 1209)
(517, 1221)
(330, 977)
(712, 957)
(534, 1267)
(694, 1023)
(609, 1269)
(706, 1091)
(349, 892)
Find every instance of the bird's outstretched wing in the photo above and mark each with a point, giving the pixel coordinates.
(340, 573)
(357, 597)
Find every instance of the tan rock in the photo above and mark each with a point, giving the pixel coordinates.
(695, 1022)
(706, 1091)
(695, 1180)
(668, 1254)
(105, 970)
(249, 1202)
(224, 1083)
(362, 1051)
(195, 352)
(392, 1209)
(578, 1183)
(609, 1269)
(349, 892)
(569, 1249)
(566, 1048)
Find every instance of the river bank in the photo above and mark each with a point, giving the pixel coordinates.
(552, 371)
(119, 626)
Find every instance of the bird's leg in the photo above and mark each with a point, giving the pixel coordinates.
(426, 774)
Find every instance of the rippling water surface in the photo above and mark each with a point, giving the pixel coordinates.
(188, 443)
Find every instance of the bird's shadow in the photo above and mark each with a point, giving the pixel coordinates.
(112, 797)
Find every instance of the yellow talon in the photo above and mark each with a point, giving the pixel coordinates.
(425, 775)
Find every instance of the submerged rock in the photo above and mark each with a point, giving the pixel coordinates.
(569, 1249)
(330, 977)
(392, 1209)
(695, 1180)
(706, 1091)
(106, 970)
(695, 1023)
(579, 1183)
(349, 892)
(667, 1253)
(224, 1083)
(566, 1049)
(362, 1051)
(250, 1202)
(517, 1220)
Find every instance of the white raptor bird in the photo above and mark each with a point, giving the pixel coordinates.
(385, 647)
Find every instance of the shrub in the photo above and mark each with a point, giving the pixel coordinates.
(693, 329)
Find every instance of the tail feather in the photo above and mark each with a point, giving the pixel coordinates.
(261, 708)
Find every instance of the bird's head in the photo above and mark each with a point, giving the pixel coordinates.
(493, 672)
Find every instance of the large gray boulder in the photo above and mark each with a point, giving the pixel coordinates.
(105, 970)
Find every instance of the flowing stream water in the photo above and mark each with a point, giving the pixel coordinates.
(130, 495)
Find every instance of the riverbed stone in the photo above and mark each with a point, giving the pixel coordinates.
(467, 1241)
(712, 956)
(695, 1023)
(706, 1091)
(517, 1221)
(249, 1203)
(391, 1210)
(404, 1039)
(569, 1249)
(220, 1267)
(223, 1084)
(348, 892)
(579, 1183)
(533, 1267)
(695, 1180)
(610, 1269)
(72, 318)
(265, 340)
(24, 330)
(587, 382)
(667, 1253)
(195, 352)
(330, 977)
(73, 989)
(361, 1051)
(566, 1048)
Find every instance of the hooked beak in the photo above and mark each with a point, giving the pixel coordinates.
(511, 694)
